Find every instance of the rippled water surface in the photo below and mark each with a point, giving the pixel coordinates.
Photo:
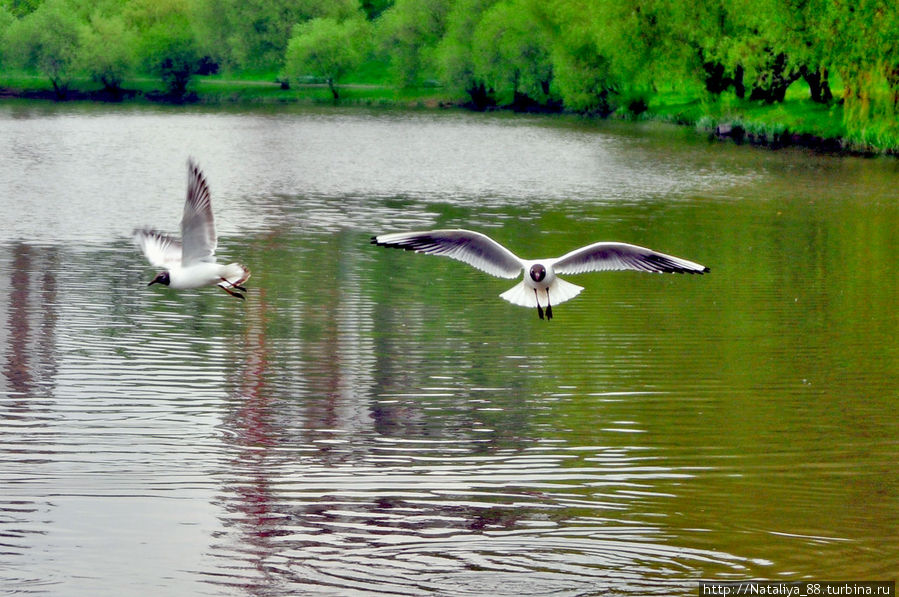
(378, 422)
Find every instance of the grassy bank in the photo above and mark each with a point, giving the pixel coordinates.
(254, 88)
(797, 121)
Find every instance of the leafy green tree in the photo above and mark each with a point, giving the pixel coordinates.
(326, 48)
(108, 51)
(409, 33)
(801, 31)
(47, 40)
(7, 19)
(455, 55)
(21, 8)
(511, 50)
(865, 53)
(599, 46)
(761, 47)
(643, 44)
(253, 34)
(167, 44)
(582, 73)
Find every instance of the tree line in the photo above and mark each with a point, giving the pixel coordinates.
(594, 56)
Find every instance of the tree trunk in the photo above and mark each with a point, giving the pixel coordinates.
(892, 75)
(715, 81)
(480, 96)
(772, 86)
(58, 89)
(818, 84)
(739, 86)
(333, 89)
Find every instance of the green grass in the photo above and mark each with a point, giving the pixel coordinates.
(795, 116)
(368, 87)
(796, 119)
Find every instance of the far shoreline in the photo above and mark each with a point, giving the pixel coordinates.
(212, 92)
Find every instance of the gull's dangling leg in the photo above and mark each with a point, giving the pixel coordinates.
(229, 283)
(549, 307)
(232, 292)
(539, 308)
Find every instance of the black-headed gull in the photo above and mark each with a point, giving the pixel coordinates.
(190, 262)
(539, 283)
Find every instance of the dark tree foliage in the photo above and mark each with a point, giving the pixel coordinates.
(375, 8)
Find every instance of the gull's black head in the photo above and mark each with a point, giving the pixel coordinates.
(161, 278)
(538, 272)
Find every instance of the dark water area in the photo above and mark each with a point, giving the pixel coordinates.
(378, 422)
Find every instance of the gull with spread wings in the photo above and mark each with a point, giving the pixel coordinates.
(190, 262)
(540, 285)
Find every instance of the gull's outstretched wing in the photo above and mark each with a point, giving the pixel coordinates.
(197, 224)
(622, 256)
(473, 248)
(161, 250)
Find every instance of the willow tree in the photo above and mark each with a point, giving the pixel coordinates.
(455, 53)
(326, 48)
(511, 48)
(866, 55)
(408, 34)
(108, 51)
(167, 43)
(47, 40)
(253, 34)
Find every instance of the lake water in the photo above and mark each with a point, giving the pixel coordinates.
(375, 422)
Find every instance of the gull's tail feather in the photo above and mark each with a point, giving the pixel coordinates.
(561, 291)
(234, 274)
(520, 295)
(524, 296)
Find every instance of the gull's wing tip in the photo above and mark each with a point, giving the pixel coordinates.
(699, 270)
(397, 240)
(702, 269)
(143, 232)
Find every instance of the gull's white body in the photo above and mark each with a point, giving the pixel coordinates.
(190, 262)
(550, 290)
(540, 285)
(205, 273)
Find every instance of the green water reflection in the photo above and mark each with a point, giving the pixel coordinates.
(758, 402)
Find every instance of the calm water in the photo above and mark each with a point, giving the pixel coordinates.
(378, 422)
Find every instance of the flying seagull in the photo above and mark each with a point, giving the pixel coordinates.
(540, 284)
(190, 262)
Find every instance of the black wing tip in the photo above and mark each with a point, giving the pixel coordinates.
(148, 232)
(683, 270)
(668, 265)
(698, 272)
(194, 170)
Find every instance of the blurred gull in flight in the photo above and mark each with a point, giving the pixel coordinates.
(540, 285)
(190, 262)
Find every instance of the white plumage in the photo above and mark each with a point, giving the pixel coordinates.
(540, 286)
(190, 262)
